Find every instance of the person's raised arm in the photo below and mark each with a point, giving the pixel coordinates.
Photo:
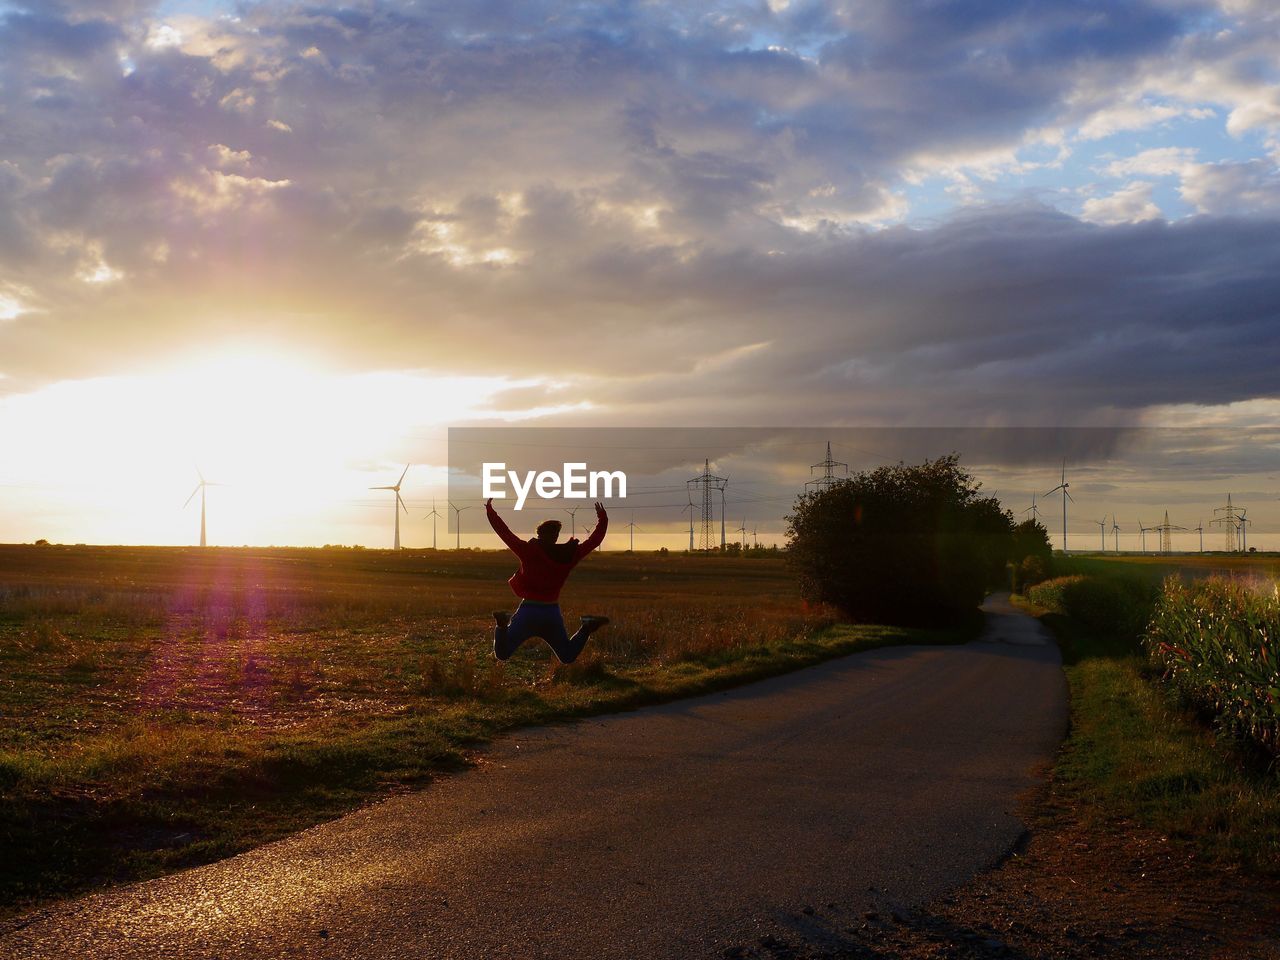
(597, 535)
(501, 529)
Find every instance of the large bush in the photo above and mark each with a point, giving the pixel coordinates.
(900, 544)
(1031, 553)
(1112, 606)
(1219, 644)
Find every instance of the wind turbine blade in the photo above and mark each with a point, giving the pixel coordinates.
(401, 501)
(382, 488)
(193, 493)
(1069, 496)
(406, 470)
(199, 474)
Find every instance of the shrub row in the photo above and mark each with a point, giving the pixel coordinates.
(1113, 606)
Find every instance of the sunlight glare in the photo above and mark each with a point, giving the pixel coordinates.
(296, 445)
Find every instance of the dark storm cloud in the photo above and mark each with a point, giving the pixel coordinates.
(930, 74)
(658, 206)
(1024, 314)
(42, 34)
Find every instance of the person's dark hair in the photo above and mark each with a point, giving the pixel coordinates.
(548, 530)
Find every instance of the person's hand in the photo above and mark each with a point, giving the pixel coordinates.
(600, 514)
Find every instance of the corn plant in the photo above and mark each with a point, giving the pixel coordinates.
(1216, 641)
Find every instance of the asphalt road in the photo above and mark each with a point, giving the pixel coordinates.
(780, 810)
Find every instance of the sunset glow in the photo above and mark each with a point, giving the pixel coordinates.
(295, 443)
(294, 244)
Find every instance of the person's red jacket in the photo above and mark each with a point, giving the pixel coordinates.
(540, 577)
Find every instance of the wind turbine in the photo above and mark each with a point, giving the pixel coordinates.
(1243, 533)
(632, 527)
(573, 519)
(724, 486)
(457, 522)
(432, 517)
(755, 540)
(743, 530)
(1115, 531)
(399, 504)
(1102, 529)
(200, 488)
(1065, 497)
(1200, 530)
(1033, 509)
(690, 509)
(1144, 535)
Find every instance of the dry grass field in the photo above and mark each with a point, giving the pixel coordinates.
(164, 707)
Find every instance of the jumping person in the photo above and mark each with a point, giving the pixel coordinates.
(544, 567)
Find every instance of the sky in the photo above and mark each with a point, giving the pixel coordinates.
(292, 244)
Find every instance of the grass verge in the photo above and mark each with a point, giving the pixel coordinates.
(1134, 753)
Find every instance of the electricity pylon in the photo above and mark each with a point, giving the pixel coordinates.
(1166, 534)
(828, 478)
(1232, 519)
(709, 482)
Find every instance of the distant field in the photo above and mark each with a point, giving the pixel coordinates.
(164, 707)
(1157, 567)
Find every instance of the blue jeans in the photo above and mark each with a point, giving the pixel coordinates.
(539, 620)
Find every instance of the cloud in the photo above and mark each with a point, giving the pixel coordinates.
(1137, 115)
(1246, 188)
(612, 195)
(1130, 204)
(1230, 187)
(1157, 162)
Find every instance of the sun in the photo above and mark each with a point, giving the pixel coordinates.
(294, 440)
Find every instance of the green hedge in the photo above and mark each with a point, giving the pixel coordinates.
(1114, 606)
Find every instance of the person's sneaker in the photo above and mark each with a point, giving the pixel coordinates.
(592, 624)
(502, 646)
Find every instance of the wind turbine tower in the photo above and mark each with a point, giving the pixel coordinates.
(632, 527)
(457, 523)
(432, 517)
(1115, 532)
(573, 520)
(743, 530)
(399, 503)
(1033, 509)
(1144, 535)
(1102, 530)
(690, 509)
(1065, 497)
(1200, 530)
(200, 489)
